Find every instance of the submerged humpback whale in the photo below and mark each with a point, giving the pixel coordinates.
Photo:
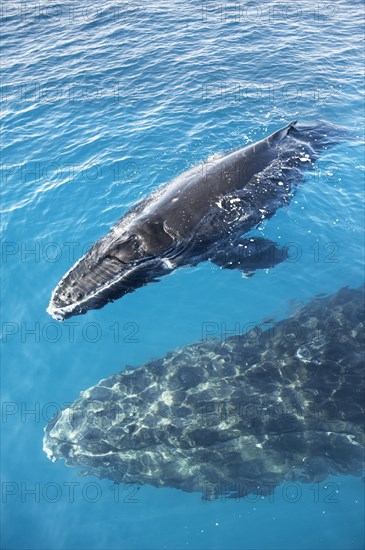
(232, 417)
(201, 215)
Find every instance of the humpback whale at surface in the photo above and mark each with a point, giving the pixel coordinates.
(234, 417)
(201, 215)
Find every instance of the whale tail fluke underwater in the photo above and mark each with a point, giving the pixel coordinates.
(203, 214)
(231, 417)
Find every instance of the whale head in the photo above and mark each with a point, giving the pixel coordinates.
(113, 267)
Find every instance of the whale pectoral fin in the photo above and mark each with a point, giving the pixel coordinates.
(250, 254)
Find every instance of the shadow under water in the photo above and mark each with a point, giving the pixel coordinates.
(234, 416)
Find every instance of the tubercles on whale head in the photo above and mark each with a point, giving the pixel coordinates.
(108, 271)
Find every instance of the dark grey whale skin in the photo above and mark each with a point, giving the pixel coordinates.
(231, 417)
(200, 215)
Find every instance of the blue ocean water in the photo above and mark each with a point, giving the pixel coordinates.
(101, 104)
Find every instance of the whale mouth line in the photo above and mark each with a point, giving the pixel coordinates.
(60, 313)
(63, 312)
